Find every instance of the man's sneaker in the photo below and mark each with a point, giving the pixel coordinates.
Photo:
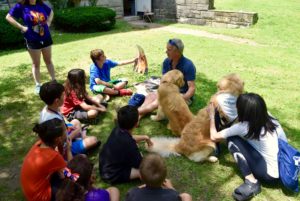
(125, 92)
(246, 191)
(37, 89)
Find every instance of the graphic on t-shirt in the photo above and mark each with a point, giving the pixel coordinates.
(38, 19)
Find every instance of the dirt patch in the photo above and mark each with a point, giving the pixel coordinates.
(210, 35)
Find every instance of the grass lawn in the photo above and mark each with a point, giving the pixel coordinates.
(270, 69)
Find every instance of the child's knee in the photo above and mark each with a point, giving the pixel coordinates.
(185, 197)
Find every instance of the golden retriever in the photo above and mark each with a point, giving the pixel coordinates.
(195, 142)
(229, 88)
(171, 103)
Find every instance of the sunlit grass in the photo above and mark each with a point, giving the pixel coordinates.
(271, 70)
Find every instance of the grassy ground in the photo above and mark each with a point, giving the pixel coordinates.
(271, 70)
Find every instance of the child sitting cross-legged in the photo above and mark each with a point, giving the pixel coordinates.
(43, 165)
(52, 93)
(153, 173)
(100, 81)
(77, 103)
(78, 183)
(120, 157)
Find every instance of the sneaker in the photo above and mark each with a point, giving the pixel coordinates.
(246, 191)
(37, 89)
(125, 92)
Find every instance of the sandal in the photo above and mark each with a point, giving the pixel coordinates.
(246, 191)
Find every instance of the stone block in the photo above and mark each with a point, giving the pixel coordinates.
(181, 2)
(202, 7)
(207, 14)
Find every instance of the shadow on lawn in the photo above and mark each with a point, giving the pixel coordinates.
(20, 111)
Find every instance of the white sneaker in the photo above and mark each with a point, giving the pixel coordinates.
(37, 89)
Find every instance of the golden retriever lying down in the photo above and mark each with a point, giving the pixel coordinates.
(195, 142)
(171, 102)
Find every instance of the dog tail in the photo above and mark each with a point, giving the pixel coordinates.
(164, 146)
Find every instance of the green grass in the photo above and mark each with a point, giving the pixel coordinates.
(271, 70)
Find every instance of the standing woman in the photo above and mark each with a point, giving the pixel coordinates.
(37, 18)
(253, 142)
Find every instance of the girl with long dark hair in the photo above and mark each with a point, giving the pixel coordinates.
(77, 103)
(253, 142)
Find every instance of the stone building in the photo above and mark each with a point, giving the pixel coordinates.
(200, 12)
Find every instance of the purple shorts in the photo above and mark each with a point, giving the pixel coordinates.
(97, 195)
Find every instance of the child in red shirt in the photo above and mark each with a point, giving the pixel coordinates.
(77, 103)
(42, 161)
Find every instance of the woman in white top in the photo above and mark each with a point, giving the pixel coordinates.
(253, 142)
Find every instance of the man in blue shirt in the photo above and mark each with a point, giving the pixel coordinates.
(100, 81)
(175, 60)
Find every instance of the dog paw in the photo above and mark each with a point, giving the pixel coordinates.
(212, 159)
(154, 118)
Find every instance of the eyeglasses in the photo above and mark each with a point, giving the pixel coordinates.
(171, 42)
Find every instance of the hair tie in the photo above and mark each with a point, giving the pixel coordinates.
(70, 175)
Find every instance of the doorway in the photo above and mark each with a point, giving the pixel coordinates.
(129, 7)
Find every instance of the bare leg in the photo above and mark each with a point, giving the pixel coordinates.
(48, 61)
(186, 197)
(110, 91)
(135, 173)
(89, 142)
(92, 114)
(120, 85)
(77, 129)
(98, 98)
(36, 58)
(114, 193)
(150, 104)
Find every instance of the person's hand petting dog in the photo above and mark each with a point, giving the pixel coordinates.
(211, 111)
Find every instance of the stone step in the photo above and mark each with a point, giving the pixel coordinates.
(131, 18)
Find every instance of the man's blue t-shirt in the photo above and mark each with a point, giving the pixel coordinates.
(187, 68)
(101, 73)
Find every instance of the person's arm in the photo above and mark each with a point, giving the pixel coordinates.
(69, 152)
(15, 23)
(88, 107)
(140, 138)
(50, 18)
(214, 134)
(191, 90)
(168, 184)
(121, 63)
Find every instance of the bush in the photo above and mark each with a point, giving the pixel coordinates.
(9, 35)
(85, 19)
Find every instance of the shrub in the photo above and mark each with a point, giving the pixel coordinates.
(9, 35)
(85, 19)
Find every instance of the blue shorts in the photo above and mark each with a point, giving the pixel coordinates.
(78, 147)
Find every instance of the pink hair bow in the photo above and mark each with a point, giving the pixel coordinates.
(69, 174)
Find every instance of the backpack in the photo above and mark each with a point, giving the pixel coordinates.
(289, 165)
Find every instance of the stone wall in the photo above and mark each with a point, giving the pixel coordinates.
(164, 9)
(116, 5)
(201, 12)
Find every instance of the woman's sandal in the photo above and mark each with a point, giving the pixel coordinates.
(246, 191)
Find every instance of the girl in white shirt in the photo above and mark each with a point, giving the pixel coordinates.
(253, 142)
